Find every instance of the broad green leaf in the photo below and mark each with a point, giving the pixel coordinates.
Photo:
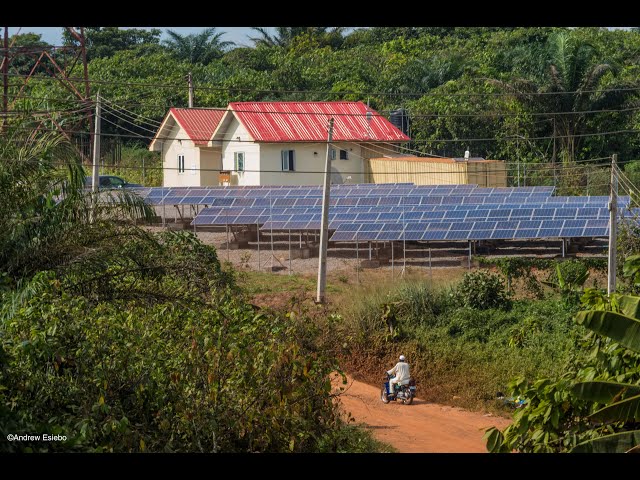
(629, 305)
(631, 266)
(627, 409)
(624, 330)
(616, 443)
(495, 440)
(603, 392)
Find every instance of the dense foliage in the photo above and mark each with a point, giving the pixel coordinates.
(593, 405)
(457, 350)
(122, 340)
(538, 97)
(482, 290)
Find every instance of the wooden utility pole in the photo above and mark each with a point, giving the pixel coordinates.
(553, 159)
(613, 226)
(95, 180)
(5, 79)
(324, 228)
(189, 79)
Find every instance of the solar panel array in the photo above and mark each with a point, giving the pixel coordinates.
(438, 193)
(377, 212)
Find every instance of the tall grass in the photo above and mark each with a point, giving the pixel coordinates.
(459, 355)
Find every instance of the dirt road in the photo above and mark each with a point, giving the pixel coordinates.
(418, 428)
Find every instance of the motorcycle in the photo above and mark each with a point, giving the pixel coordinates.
(402, 392)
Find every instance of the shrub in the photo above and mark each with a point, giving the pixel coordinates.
(482, 290)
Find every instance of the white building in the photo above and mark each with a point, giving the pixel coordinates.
(272, 143)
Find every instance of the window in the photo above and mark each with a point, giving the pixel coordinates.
(288, 157)
(116, 182)
(344, 155)
(332, 154)
(238, 161)
(180, 163)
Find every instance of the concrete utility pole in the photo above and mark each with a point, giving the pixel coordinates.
(324, 230)
(189, 79)
(95, 180)
(613, 226)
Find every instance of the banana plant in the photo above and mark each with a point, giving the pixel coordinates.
(621, 400)
(569, 288)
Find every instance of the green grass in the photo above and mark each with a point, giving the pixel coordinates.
(456, 351)
(264, 282)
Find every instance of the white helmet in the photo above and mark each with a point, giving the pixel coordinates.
(402, 358)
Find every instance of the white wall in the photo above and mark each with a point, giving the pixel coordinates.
(230, 145)
(309, 164)
(171, 148)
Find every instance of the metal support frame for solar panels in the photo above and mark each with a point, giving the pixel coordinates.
(357, 259)
(289, 251)
(469, 254)
(391, 258)
(404, 244)
(164, 211)
(271, 227)
(258, 235)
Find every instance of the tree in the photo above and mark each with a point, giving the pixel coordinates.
(48, 219)
(284, 35)
(104, 42)
(574, 81)
(25, 46)
(203, 47)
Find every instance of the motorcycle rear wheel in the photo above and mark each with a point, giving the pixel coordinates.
(408, 401)
(383, 395)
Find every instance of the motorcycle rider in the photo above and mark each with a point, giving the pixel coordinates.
(401, 372)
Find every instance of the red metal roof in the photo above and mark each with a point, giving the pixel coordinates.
(308, 122)
(199, 123)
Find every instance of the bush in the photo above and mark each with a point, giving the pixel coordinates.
(140, 358)
(482, 290)
(572, 272)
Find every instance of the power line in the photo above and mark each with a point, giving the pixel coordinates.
(378, 112)
(329, 92)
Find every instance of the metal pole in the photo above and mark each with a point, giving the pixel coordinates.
(190, 90)
(369, 250)
(469, 254)
(562, 240)
(95, 181)
(226, 222)
(404, 243)
(87, 86)
(613, 226)
(271, 229)
(391, 259)
(430, 271)
(324, 233)
(258, 235)
(289, 251)
(357, 260)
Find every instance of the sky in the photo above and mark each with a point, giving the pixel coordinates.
(53, 35)
(238, 35)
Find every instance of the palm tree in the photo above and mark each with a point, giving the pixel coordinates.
(573, 76)
(284, 35)
(48, 220)
(202, 47)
